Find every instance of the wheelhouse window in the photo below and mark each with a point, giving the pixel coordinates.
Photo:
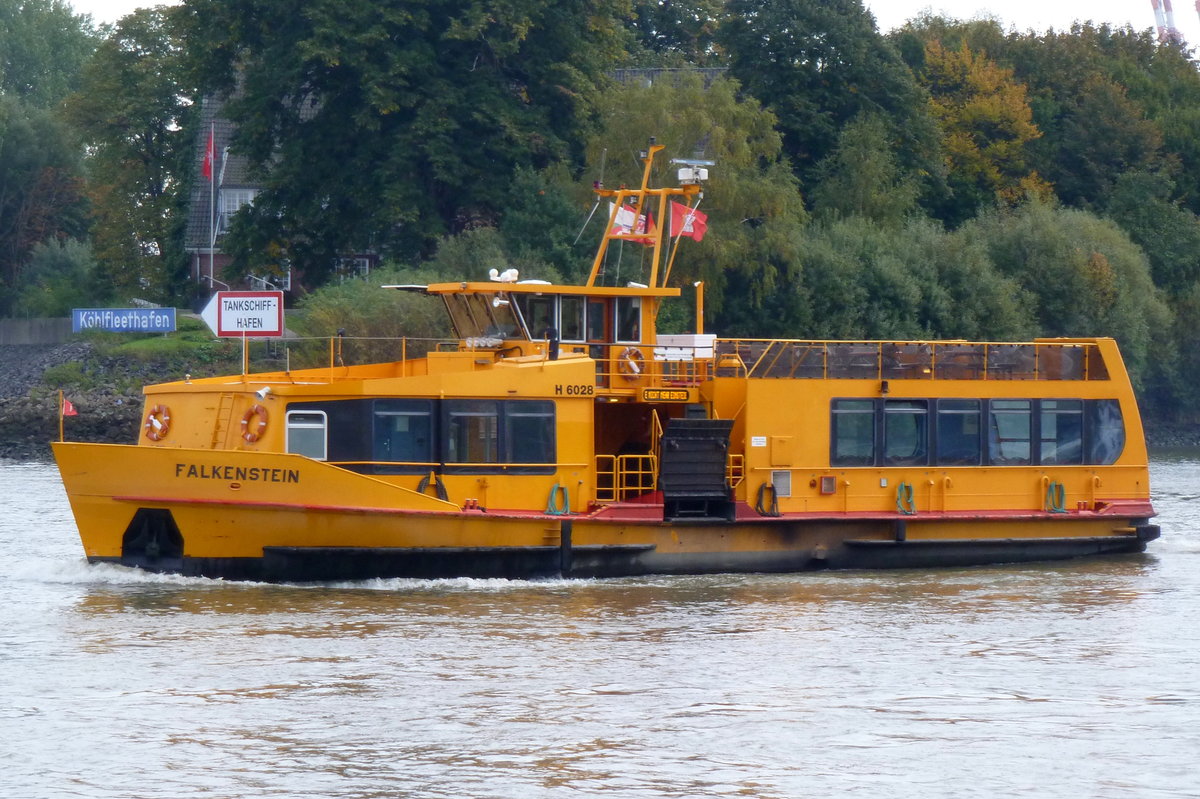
(853, 433)
(475, 315)
(402, 434)
(572, 309)
(539, 314)
(629, 319)
(596, 330)
(958, 440)
(1106, 431)
(1060, 426)
(306, 434)
(1010, 425)
(905, 433)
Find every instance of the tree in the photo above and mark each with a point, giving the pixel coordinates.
(40, 188)
(391, 123)
(135, 113)
(677, 33)
(1083, 277)
(817, 65)
(1168, 233)
(43, 45)
(861, 176)
(986, 126)
(60, 276)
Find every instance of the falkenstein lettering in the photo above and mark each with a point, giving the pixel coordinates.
(250, 474)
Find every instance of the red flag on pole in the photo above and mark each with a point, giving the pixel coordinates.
(688, 221)
(68, 408)
(207, 168)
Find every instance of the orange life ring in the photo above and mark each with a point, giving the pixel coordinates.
(254, 423)
(158, 423)
(631, 364)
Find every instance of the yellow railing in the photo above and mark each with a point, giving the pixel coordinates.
(620, 477)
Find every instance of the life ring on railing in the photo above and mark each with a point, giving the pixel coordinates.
(254, 423)
(158, 423)
(632, 364)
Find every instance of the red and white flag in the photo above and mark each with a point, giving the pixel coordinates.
(628, 222)
(687, 222)
(68, 408)
(206, 169)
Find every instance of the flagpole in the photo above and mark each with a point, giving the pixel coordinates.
(210, 154)
(60, 416)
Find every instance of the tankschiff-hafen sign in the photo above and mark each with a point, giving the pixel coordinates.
(123, 320)
(245, 313)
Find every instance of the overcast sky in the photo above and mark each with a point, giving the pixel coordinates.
(1020, 14)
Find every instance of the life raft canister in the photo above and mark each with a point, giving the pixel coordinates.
(158, 423)
(254, 423)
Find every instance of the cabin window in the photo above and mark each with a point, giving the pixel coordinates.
(1061, 431)
(958, 442)
(306, 434)
(1010, 432)
(905, 433)
(402, 434)
(629, 319)
(853, 433)
(529, 436)
(472, 431)
(484, 436)
(1106, 431)
(571, 309)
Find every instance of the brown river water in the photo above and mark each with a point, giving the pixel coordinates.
(1072, 679)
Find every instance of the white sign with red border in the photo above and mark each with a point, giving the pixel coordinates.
(245, 313)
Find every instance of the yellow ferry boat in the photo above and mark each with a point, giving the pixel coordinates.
(564, 436)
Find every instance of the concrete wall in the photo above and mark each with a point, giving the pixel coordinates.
(34, 331)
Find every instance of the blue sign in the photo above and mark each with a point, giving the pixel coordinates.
(123, 320)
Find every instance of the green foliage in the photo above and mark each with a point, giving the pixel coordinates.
(1168, 233)
(396, 123)
(43, 45)
(135, 113)
(60, 276)
(676, 34)
(373, 319)
(40, 188)
(817, 64)
(1084, 277)
(752, 201)
(864, 280)
(861, 177)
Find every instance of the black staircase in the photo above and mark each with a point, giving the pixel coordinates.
(692, 472)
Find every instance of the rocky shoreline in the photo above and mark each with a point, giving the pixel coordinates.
(109, 401)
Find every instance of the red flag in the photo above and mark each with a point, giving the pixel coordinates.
(68, 408)
(688, 221)
(206, 168)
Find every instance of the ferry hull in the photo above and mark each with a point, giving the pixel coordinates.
(188, 513)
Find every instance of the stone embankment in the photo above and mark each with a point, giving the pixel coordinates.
(109, 400)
